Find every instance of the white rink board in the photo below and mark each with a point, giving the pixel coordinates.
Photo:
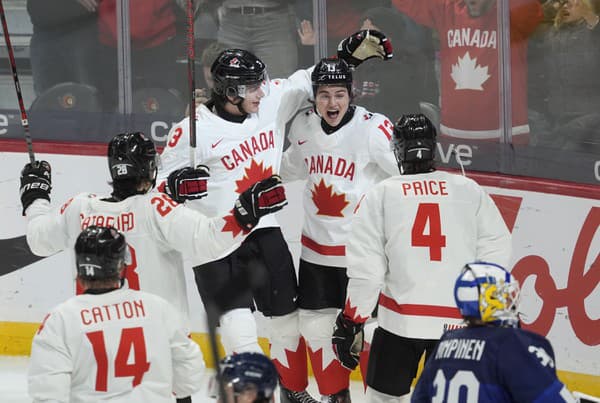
(547, 226)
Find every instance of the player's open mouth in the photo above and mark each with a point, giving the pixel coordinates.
(333, 114)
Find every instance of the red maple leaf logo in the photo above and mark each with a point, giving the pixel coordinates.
(327, 201)
(254, 173)
(350, 312)
(232, 225)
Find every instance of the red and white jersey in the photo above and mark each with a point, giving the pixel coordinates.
(157, 231)
(410, 239)
(340, 167)
(469, 64)
(120, 346)
(238, 154)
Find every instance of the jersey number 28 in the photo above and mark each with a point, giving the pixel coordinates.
(130, 338)
(428, 217)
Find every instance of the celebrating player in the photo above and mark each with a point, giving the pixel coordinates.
(491, 360)
(111, 343)
(343, 150)
(240, 136)
(408, 234)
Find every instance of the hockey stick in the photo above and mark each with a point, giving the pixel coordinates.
(192, 81)
(13, 66)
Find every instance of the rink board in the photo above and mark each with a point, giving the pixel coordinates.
(556, 256)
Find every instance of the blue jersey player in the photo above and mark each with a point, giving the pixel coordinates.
(490, 360)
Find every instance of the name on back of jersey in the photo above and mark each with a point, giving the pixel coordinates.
(119, 311)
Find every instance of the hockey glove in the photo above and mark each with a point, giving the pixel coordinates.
(264, 197)
(348, 338)
(364, 45)
(188, 183)
(36, 183)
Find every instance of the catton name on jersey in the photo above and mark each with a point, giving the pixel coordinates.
(425, 188)
(248, 149)
(119, 311)
(471, 37)
(320, 164)
(461, 349)
(123, 222)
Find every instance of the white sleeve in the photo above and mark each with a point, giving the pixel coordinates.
(48, 228)
(192, 233)
(187, 360)
(380, 134)
(176, 153)
(297, 91)
(292, 164)
(365, 254)
(494, 239)
(50, 365)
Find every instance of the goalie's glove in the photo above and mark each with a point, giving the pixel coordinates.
(264, 197)
(364, 45)
(36, 183)
(188, 183)
(348, 338)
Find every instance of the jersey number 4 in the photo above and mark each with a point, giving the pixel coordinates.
(428, 217)
(130, 338)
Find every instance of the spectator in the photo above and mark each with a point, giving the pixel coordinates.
(569, 59)
(409, 77)
(83, 339)
(502, 362)
(469, 37)
(64, 43)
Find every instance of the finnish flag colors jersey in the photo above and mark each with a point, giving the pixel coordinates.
(238, 154)
(122, 346)
(491, 364)
(410, 237)
(339, 167)
(157, 230)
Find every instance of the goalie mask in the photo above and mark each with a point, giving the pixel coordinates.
(236, 72)
(132, 156)
(250, 371)
(331, 71)
(488, 293)
(413, 143)
(100, 253)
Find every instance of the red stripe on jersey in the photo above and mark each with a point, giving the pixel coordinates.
(337, 250)
(419, 310)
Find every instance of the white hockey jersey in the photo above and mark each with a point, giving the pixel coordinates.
(410, 238)
(157, 231)
(238, 154)
(340, 167)
(121, 346)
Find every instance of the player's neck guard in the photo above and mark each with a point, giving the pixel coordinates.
(332, 129)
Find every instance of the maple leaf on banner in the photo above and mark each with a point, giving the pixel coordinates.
(468, 75)
(252, 174)
(231, 225)
(327, 201)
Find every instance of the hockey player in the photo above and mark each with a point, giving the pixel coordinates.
(158, 229)
(408, 234)
(240, 135)
(491, 360)
(343, 150)
(111, 343)
(470, 40)
(248, 378)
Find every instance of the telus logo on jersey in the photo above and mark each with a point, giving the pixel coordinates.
(123, 222)
(474, 38)
(326, 164)
(248, 149)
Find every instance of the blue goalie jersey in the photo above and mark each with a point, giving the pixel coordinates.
(485, 364)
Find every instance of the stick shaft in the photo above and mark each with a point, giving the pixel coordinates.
(13, 66)
(192, 81)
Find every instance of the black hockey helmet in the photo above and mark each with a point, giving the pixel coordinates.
(330, 71)
(234, 69)
(413, 143)
(132, 156)
(250, 370)
(100, 253)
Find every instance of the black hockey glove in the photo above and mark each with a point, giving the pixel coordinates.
(264, 197)
(348, 338)
(188, 183)
(36, 183)
(364, 45)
